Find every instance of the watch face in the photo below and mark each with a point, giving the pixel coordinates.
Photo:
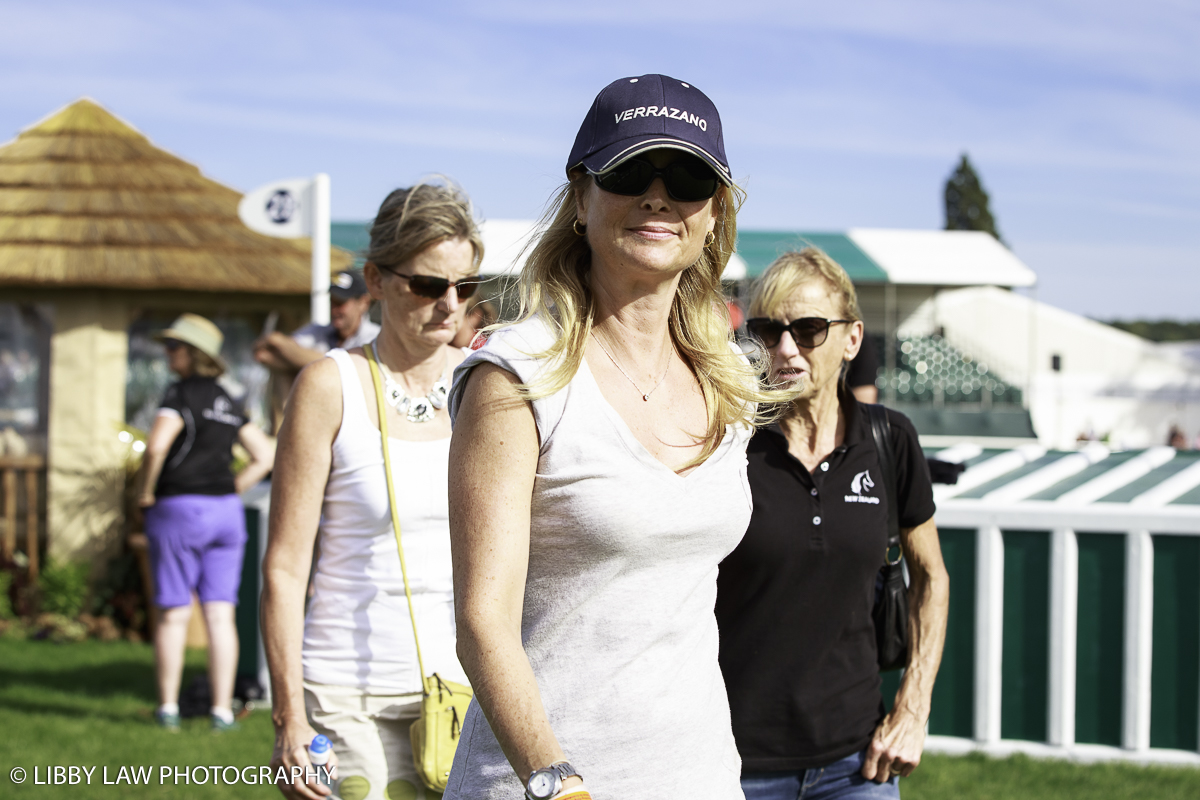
(541, 783)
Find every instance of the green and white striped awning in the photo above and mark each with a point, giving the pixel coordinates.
(1159, 476)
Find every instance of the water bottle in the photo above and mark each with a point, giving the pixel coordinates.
(318, 754)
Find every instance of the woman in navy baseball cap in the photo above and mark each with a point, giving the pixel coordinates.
(598, 474)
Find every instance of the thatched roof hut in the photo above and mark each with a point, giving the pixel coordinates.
(100, 231)
(87, 201)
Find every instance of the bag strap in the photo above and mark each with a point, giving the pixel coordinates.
(881, 430)
(387, 469)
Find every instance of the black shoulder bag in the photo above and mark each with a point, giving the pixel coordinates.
(891, 595)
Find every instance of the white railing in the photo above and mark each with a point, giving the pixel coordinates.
(1006, 509)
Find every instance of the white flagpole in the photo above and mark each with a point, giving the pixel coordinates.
(320, 249)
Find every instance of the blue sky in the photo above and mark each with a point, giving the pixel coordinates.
(1083, 117)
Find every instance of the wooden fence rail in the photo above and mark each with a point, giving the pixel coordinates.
(33, 467)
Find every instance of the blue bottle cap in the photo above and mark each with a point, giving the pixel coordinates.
(320, 744)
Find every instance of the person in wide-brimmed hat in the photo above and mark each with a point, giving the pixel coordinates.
(194, 519)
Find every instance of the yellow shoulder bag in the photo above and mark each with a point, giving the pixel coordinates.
(444, 703)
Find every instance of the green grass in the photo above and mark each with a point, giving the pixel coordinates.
(1022, 778)
(89, 704)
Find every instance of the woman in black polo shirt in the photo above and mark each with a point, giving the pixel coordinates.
(195, 522)
(794, 599)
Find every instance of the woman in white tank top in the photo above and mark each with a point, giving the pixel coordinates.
(348, 669)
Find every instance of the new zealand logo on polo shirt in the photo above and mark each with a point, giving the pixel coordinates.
(862, 482)
(222, 411)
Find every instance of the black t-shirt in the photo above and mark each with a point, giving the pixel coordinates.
(794, 599)
(198, 461)
(864, 369)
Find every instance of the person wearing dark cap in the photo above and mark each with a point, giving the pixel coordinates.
(598, 474)
(348, 327)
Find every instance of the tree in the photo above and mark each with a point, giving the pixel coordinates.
(967, 202)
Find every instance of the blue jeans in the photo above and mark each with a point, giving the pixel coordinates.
(841, 780)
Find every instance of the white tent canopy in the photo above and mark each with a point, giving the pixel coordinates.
(942, 258)
(505, 244)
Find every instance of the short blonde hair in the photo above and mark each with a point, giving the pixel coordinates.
(794, 269)
(411, 220)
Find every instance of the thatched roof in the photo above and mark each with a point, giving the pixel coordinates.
(88, 201)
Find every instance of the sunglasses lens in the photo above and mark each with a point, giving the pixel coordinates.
(631, 178)
(809, 332)
(466, 287)
(429, 287)
(435, 288)
(689, 179)
(767, 331)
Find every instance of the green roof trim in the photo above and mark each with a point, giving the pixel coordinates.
(760, 248)
(352, 236)
(757, 248)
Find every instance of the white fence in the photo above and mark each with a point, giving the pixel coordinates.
(994, 505)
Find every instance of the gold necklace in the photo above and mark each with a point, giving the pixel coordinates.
(617, 364)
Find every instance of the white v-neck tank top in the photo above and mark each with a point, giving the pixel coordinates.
(618, 619)
(357, 631)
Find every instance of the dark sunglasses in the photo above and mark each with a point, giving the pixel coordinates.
(687, 179)
(172, 344)
(807, 332)
(433, 288)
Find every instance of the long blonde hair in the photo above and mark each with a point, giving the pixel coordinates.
(554, 285)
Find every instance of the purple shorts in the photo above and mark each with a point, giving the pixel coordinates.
(196, 544)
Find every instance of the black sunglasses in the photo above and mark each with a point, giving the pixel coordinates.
(433, 288)
(172, 344)
(807, 332)
(688, 179)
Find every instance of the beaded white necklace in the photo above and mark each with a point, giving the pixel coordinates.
(416, 409)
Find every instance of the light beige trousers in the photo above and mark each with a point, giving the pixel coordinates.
(369, 733)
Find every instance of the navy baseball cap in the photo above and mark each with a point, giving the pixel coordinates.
(633, 115)
(347, 285)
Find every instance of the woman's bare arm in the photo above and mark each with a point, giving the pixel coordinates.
(900, 738)
(297, 492)
(262, 457)
(163, 432)
(493, 460)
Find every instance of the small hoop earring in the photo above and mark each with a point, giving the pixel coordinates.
(580, 229)
(709, 238)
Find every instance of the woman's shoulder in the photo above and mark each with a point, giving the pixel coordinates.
(519, 349)
(525, 340)
(320, 381)
(900, 424)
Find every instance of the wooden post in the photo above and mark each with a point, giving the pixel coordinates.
(31, 520)
(32, 466)
(10, 512)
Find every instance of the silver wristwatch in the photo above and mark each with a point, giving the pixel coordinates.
(547, 782)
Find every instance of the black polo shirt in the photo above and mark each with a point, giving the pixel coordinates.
(199, 459)
(794, 599)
